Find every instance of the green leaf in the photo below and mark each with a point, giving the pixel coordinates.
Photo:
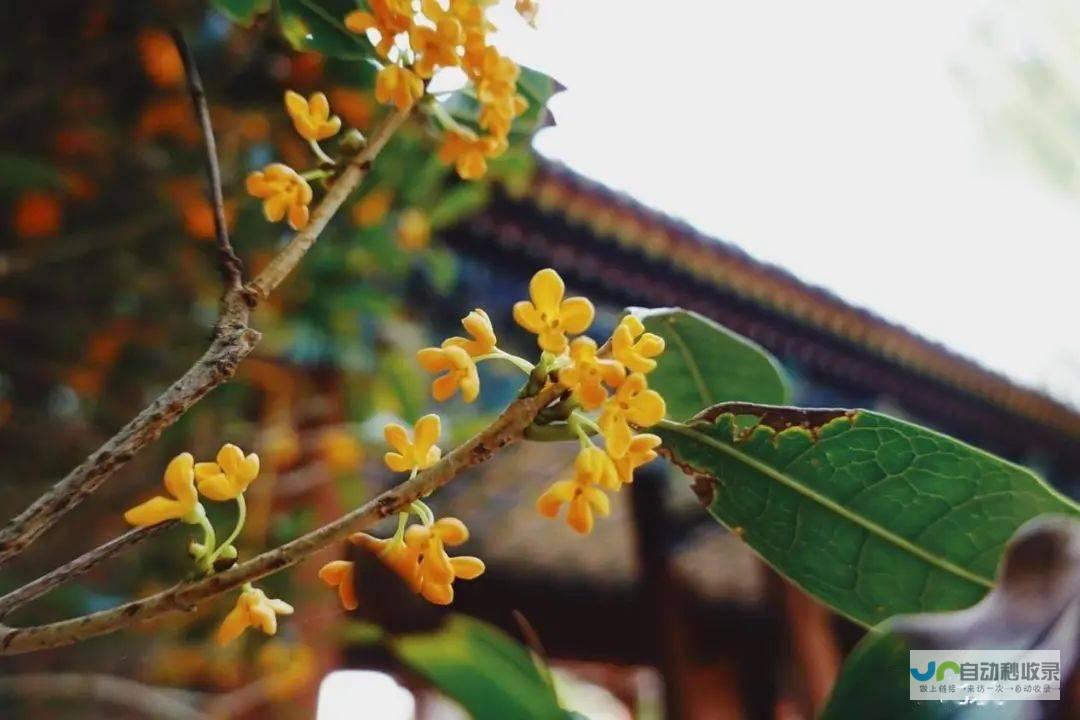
(26, 172)
(871, 515)
(705, 363)
(874, 680)
(458, 203)
(534, 85)
(243, 12)
(538, 89)
(491, 675)
(319, 26)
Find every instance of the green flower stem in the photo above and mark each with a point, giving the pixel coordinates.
(241, 518)
(209, 542)
(402, 521)
(423, 512)
(577, 423)
(520, 363)
(323, 157)
(316, 174)
(447, 120)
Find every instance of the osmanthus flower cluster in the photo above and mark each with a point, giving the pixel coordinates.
(226, 478)
(417, 553)
(448, 34)
(285, 193)
(610, 380)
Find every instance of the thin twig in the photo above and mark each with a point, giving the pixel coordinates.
(78, 566)
(231, 267)
(506, 429)
(147, 699)
(232, 342)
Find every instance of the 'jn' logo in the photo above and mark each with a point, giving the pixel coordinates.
(931, 667)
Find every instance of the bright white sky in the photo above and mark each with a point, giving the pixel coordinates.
(829, 138)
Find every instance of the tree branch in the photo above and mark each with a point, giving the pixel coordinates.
(231, 267)
(78, 566)
(152, 701)
(232, 342)
(508, 428)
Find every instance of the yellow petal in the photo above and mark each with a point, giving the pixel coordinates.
(295, 104)
(397, 437)
(229, 458)
(438, 593)
(233, 626)
(432, 457)
(262, 616)
(207, 470)
(275, 207)
(219, 488)
(444, 387)
(560, 492)
(527, 316)
(580, 516)
(397, 462)
(436, 564)
(576, 314)
(426, 432)
(319, 106)
(180, 479)
(299, 216)
(155, 510)
(648, 409)
(554, 341)
(546, 290)
(451, 530)
(467, 567)
(433, 359)
(598, 500)
(359, 21)
(335, 572)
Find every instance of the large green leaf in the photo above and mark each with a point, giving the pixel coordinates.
(241, 11)
(872, 515)
(705, 363)
(319, 26)
(1028, 609)
(491, 675)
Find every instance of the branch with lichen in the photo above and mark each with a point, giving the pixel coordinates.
(154, 701)
(509, 427)
(232, 341)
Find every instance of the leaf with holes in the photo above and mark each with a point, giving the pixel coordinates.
(705, 363)
(871, 515)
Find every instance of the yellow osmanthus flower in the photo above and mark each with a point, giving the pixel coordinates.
(468, 153)
(311, 117)
(633, 403)
(413, 230)
(229, 476)
(253, 609)
(398, 86)
(528, 10)
(341, 450)
(184, 505)
(642, 450)
(470, 13)
(593, 470)
(437, 570)
(497, 119)
(634, 347)
(388, 17)
(459, 371)
(286, 669)
(436, 47)
(282, 191)
(496, 77)
(417, 454)
(340, 574)
(370, 210)
(482, 334)
(588, 373)
(402, 558)
(549, 316)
